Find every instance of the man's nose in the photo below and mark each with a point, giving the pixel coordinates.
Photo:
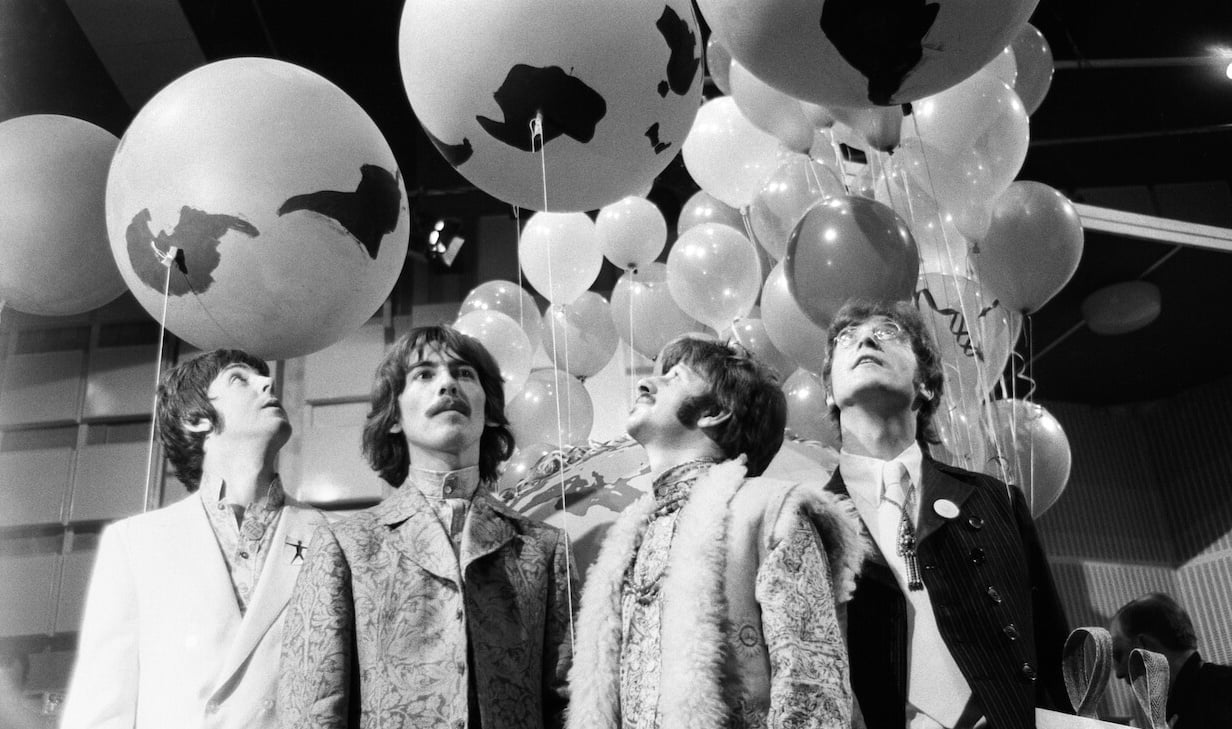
(266, 383)
(448, 383)
(866, 337)
(646, 385)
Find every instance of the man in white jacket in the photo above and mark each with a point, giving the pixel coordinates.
(183, 619)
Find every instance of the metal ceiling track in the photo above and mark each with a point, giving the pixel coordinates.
(1152, 228)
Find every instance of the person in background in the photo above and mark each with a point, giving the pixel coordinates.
(184, 614)
(955, 620)
(716, 599)
(439, 607)
(1199, 692)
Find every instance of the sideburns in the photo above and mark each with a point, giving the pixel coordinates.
(694, 408)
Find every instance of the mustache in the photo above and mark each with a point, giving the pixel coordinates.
(450, 403)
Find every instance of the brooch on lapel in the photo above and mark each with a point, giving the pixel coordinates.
(299, 547)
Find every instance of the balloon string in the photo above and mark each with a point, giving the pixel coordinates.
(536, 138)
(632, 369)
(168, 260)
(517, 246)
(974, 326)
(842, 163)
(748, 230)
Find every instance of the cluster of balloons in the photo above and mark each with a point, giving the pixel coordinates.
(934, 216)
(263, 209)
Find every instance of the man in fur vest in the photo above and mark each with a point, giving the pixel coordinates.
(715, 599)
(955, 621)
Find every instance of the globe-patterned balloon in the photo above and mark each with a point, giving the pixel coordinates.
(616, 86)
(264, 202)
(860, 53)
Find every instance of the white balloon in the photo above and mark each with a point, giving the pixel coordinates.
(560, 255)
(727, 155)
(504, 340)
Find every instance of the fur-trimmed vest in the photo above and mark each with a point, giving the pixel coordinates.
(723, 535)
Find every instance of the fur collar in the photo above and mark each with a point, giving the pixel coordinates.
(694, 602)
(693, 579)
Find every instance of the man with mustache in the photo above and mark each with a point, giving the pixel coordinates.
(439, 607)
(184, 617)
(715, 600)
(955, 620)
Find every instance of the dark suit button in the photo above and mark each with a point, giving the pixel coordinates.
(930, 567)
(1011, 631)
(975, 522)
(977, 556)
(994, 595)
(1028, 671)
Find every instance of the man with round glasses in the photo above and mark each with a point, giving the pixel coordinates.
(955, 621)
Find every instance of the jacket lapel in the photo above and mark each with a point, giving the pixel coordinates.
(487, 529)
(936, 487)
(420, 536)
(188, 525)
(274, 585)
(875, 567)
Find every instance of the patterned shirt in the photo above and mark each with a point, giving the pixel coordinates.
(641, 607)
(245, 533)
(450, 494)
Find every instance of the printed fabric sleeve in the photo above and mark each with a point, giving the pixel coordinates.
(558, 633)
(316, 685)
(103, 691)
(810, 684)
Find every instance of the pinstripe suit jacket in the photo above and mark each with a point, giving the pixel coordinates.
(994, 598)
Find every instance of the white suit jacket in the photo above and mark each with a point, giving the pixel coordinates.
(163, 644)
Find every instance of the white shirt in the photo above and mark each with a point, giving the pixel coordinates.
(937, 692)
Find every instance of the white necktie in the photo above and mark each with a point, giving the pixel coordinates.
(899, 491)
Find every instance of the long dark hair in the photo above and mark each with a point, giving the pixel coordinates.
(387, 452)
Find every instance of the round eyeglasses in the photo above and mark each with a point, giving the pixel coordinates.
(883, 331)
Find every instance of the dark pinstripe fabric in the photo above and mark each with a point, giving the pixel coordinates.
(993, 596)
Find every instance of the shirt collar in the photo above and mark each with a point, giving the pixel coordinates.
(672, 486)
(459, 484)
(214, 494)
(862, 474)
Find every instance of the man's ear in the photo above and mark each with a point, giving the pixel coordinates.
(200, 425)
(709, 420)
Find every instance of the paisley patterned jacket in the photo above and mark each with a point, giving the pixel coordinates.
(383, 616)
(752, 598)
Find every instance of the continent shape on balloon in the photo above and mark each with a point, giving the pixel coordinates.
(611, 95)
(261, 204)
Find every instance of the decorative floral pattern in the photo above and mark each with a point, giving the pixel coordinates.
(747, 631)
(377, 630)
(808, 660)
